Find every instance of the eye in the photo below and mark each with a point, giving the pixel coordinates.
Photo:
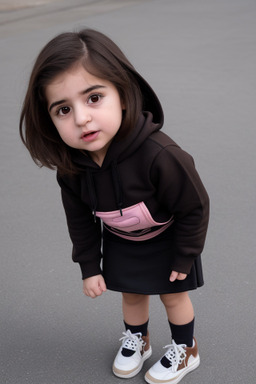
(63, 111)
(94, 98)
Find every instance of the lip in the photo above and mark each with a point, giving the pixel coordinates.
(90, 136)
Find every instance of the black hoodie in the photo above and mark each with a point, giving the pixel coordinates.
(146, 169)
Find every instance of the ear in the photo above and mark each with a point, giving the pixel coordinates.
(123, 106)
(122, 102)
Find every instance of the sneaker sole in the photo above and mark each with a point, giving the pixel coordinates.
(133, 373)
(149, 379)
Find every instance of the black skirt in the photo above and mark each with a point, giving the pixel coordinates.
(143, 267)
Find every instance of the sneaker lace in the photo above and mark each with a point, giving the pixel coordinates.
(132, 340)
(175, 354)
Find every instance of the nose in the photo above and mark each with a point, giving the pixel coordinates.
(82, 115)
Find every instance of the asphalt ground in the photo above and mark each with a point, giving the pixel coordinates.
(200, 57)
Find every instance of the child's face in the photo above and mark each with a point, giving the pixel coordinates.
(86, 111)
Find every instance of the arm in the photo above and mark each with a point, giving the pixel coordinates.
(181, 192)
(85, 234)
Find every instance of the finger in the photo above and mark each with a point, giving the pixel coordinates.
(97, 291)
(173, 276)
(103, 286)
(89, 293)
(181, 276)
(92, 294)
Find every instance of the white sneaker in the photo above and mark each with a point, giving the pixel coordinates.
(134, 350)
(174, 365)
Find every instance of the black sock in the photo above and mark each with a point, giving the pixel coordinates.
(183, 334)
(143, 328)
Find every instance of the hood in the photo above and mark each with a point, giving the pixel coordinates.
(150, 120)
(151, 102)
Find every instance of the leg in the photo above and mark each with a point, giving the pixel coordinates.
(182, 355)
(178, 307)
(180, 314)
(135, 348)
(135, 308)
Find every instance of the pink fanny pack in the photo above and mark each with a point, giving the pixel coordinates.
(136, 223)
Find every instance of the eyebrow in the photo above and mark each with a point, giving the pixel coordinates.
(88, 90)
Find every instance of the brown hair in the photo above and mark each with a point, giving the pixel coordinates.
(101, 57)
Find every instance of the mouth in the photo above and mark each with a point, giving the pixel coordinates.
(90, 136)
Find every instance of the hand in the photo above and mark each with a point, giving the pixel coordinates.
(177, 275)
(94, 286)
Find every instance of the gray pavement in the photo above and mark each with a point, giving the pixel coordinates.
(200, 57)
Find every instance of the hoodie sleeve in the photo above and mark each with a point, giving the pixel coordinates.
(180, 190)
(85, 234)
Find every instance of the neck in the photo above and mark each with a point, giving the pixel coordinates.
(97, 158)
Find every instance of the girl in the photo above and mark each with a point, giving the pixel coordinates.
(132, 196)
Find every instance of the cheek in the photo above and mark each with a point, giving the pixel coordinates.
(67, 138)
(65, 135)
